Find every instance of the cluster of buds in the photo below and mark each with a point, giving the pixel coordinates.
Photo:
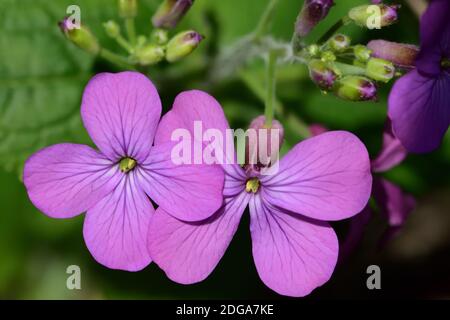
(141, 50)
(352, 71)
(354, 80)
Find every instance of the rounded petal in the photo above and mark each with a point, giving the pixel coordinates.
(326, 177)
(66, 179)
(115, 230)
(189, 252)
(418, 108)
(121, 112)
(188, 192)
(191, 107)
(293, 254)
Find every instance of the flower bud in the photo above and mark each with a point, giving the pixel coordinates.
(374, 16)
(80, 36)
(182, 45)
(380, 69)
(260, 136)
(160, 36)
(356, 88)
(339, 42)
(400, 54)
(328, 56)
(321, 74)
(312, 13)
(316, 129)
(362, 53)
(149, 54)
(127, 8)
(170, 12)
(112, 29)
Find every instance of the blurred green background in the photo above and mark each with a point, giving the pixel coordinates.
(42, 77)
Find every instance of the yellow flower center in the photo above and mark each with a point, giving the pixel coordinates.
(252, 185)
(127, 164)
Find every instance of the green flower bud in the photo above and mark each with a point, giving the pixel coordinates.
(374, 16)
(362, 53)
(81, 36)
(127, 8)
(112, 29)
(313, 50)
(339, 42)
(149, 54)
(356, 88)
(160, 36)
(182, 45)
(321, 74)
(328, 56)
(380, 69)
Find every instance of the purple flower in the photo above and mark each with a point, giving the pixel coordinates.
(418, 103)
(121, 114)
(393, 203)
(295, 250)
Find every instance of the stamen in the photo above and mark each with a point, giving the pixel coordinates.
(252, 185)
(127, 164)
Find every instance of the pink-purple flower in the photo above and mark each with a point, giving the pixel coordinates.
(324, 178)
(121, 113)
(419, 101)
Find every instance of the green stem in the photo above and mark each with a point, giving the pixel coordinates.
(124, 43)
(265, 19)
(270, 88)
(332, 30)
(131, 32)
(116, 59)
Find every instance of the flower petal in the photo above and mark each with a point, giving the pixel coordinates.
(394, 204)
(189, 252)
(115, 230)
(326, 177)
(418, 107)
(392, 152)
(188, 192)
(198, 106)
(293, 254)
(191, 106)
(434, 37)
(66, 179)
(121, 112)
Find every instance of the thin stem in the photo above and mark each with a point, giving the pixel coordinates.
(332, 30)
(124, 43)
(116, 59)
(265, 19)
(131, 32)
(270, 88)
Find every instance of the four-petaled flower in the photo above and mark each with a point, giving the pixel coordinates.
(324, 178)
(121, 113)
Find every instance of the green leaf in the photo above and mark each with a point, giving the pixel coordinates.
(42, 76)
